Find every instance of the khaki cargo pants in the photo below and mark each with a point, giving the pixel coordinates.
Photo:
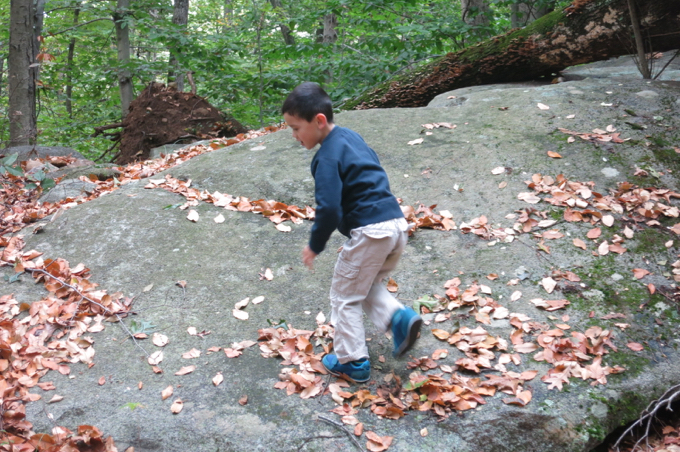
(367, 257)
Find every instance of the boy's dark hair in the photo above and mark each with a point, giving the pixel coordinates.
(306, 101)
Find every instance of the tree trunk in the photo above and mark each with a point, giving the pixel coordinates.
(523, 13)
(227, 14)
(120, 16)
(330, 21)
(22, 116)
(180, 17)
(286, 32)
(38, 19)
(69, 66)
(474, 12)
(586, 31)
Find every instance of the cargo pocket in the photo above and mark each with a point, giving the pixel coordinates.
(344, 278)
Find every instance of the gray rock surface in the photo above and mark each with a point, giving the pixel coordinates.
(29, 152)
(130, 240)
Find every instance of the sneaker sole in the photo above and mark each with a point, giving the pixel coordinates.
(413, 330)
(343, 375)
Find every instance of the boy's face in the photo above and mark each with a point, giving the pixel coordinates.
(308, 133)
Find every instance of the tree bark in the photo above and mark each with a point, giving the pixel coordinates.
(586, 31)
(38, 19)
(523, 13)
(180, 17)
(473, 12)
(644, 68)
(123, 44)
(22, 114)
(286, 32)
(330, 21)
(69, 65)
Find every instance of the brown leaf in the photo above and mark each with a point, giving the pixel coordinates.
(440, 334)
(102, 381)
(579, 243)
(177, 406)
(594, 233)
(167, 392)
(635, 346)
(359, 429)
(243, 400)
(56, 398)
(217, 379)
(392, 285)
(192, 216)
(640, 273)
(651, 288)
(193, 353)
(554, 155)
(185, 370)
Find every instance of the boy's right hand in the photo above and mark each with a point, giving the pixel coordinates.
(308, 257)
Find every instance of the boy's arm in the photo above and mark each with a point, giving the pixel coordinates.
(328, 191)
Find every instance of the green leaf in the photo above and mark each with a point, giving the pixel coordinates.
(410, 386)
(426, 301)
(15, 170)
(47, 183)
(9, 160)
(30, 186)
(173, 206)
(281, 323)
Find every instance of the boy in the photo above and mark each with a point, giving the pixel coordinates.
(353, 195)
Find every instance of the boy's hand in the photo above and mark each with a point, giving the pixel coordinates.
(308, 257)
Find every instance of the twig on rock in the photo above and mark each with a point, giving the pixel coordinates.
(342, 427)
(648, 415)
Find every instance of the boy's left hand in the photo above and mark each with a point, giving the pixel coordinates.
(308, 257)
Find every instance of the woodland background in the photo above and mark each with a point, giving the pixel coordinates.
(93, 57)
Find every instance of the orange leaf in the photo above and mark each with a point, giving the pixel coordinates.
(101, 381)
(579, 243)
(636, 347)
(651, 288)
(392, 286)
(640, 273)
(554, 155)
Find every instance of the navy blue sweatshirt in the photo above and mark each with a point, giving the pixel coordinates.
(351, 188)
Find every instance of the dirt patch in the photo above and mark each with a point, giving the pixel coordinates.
(162, 115)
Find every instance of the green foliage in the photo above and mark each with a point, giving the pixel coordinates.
(36, 180)
(238, 56)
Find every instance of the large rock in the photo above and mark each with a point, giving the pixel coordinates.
(31, 152)
(131, 241)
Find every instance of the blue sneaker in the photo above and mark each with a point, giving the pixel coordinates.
(405, 328)
(358, 371)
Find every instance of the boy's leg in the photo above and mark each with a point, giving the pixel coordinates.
(361, 260)
(380, 305)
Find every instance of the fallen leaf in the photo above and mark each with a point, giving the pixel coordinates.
(516, 295)
(640, 273)
(242, 304)
(594, 233)
(283, 227)
(358, 429)
(148, 288)
(503, 184)
(554, 155)
(219, 219)
(56, 398)
(243, 400)
(241, 315)
(257, 300)
(423, 432)
(603, 249)
(192, 331)
(193, 353)
(498, 170)
(159, 340)
(185, 370)
(177, 406)
(651, 288)
(579, 243)
(416, 141)
(320, 318)
(102, 381)
(570, 116)
(608, 220)
(192, 216)
(548, 284)
(217, 379)
(392, 285)
(636, 347)
(155, 358)
(542, 106)
(167, 392)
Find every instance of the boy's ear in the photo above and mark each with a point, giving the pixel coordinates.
(321, 120)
